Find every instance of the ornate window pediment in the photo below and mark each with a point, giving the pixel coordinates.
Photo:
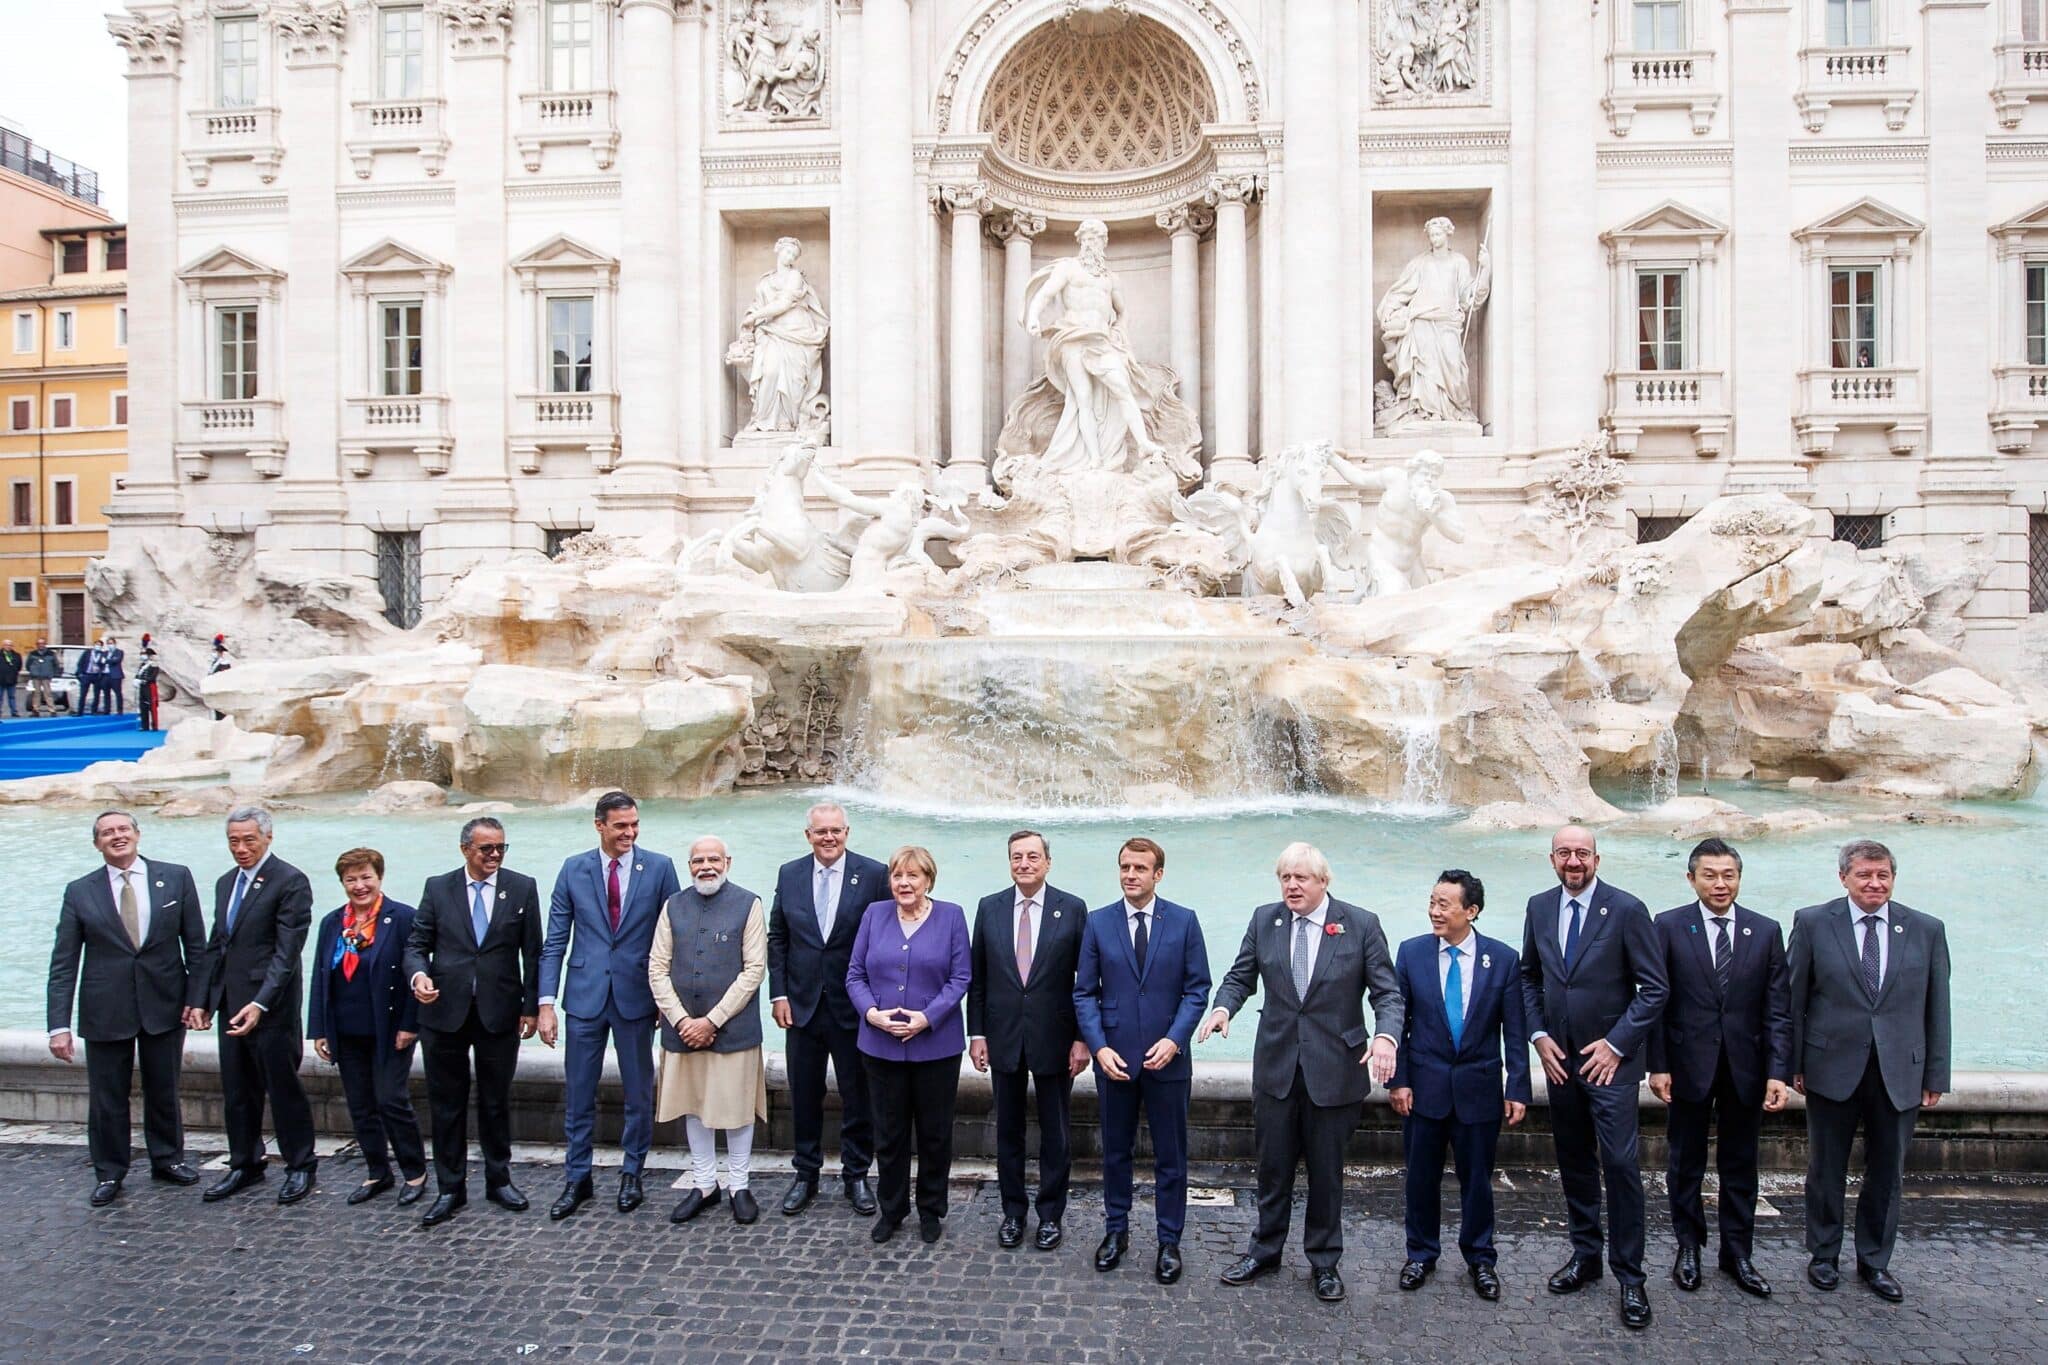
(1867, 218)
(392, 260)
(1669, 222)
(563, 255)
(225, 265)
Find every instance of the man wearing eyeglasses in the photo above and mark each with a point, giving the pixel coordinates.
(474, 961)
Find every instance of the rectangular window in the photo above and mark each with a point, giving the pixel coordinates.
(60, 413)
(1660, 25)
(73, 260)
(2037, 562)
(401, 48)
(120, 409)
(121, 325)
(1650, 530)
(21, 503)
(1660, 319)
(236, 347)
(63, 502)
(66, 329)
(1864, 532)
(24, 333)
(235, 60)
(398, 576)
(569, 345)
(569, 44)
(117, 252)
(1854, 315)
(1852, 23)
(21, 414)
(21, 592)
(398, 359)
(2034, 21)
(2037, 312)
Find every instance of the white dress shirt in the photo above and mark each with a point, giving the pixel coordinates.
(1466, 962)
(1708, 920)
(604, 872)
(1884, 938)
(835, 888)
(1316, 918)
(252, 874)
(1564, 932)
(1037, 904)
(1131, 913)
(139, 871)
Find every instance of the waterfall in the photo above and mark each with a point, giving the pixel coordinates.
(1422, 759)
(409, 755)
(1664, 767)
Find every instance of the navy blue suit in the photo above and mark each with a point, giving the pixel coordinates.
(1119, 1005)
(376, 1074)
(1458, 1091)
(607, 996)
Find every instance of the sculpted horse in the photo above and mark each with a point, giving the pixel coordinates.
(1287, 537)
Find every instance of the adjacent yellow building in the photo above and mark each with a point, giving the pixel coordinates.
(63, 430)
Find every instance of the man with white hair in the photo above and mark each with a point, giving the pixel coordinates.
(812, 923)
(1319, 959)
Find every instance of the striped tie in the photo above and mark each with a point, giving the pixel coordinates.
(1724, 951)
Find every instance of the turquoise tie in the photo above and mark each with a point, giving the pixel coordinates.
(479, 916)
(1454, 998)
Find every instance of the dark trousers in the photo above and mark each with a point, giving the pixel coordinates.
(110, 699)
(259, 1066)
(583, 1043)
(145, 705)
(912, 1102)
(1737, 1126)
(1471, 1147)
(1594, 1127)
(1166, 1113)
(109, 1072)
(448, 1053)
(805, 1052)
(1830, 1130)
(1295, 1130)
(1055, 1095)
(376, 1081)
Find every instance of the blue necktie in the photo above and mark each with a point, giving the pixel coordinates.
(1454, 998)
(479, 914)
(1571, 935)
(235, 901)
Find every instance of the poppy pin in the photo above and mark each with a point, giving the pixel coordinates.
(1332, 929)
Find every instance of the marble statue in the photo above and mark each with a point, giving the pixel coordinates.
(1423, 49)
(781, 349)
(1412, 503)
(892, 533)
(1425, 321)
(1287, 536)
(780, 63)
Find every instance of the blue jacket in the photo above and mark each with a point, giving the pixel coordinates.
(604, 967)
(1118, 1007)
(1463, 1081)
(803, 968)
(391, 997)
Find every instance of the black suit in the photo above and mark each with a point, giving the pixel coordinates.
(1613, 988)
(131, 1003)
(1029, 1028)
(485, 989)
(1720, 1049)
(257, 962)
(809, 971)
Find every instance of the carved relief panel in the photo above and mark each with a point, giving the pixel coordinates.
(774, 62)
(1431, 53)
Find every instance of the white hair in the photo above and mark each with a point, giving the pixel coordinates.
(1299, 857)
(723, 851)
(251, 815)
(811, 815)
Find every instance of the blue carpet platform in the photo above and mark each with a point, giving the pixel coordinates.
(65, 744)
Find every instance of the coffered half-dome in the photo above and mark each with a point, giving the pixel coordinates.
(1078, 102)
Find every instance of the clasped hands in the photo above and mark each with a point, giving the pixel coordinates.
(1602, 1061)
(900, 1024)
(1156, 1056)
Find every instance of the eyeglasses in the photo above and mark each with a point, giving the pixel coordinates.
(489, 850)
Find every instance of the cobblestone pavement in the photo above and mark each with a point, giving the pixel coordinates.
(162, 1277)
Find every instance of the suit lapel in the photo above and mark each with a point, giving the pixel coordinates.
(1543, 920)
(1842, 918)
(604, 894)
(100, 896)
(1594, 927)
(1327, 949)
(1900, 928)
(1122, 920)
(1696, 933)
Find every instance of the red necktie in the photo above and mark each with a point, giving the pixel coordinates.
(611, 895)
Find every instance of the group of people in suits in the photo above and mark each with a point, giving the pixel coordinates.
(873, 978)
(100, 672)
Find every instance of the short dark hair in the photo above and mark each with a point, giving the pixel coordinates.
(614, 800)
(1711, 848)
(1043, 842)
(1140, 844)
(1470, 889)
(105, 813)
(1862, 851)
(480, 822)
(359, 857)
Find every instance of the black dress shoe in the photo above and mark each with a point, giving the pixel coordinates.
(180, 1174)
(1245, 1269)
(882, 1231)
(1685, 1271)
(694, 1203)
(1011, 1233)
(1739, 1269)
(1575, 1275)
(409, 1193)
(105, 1193)
(1110, 1254)
(507, 1197)
(1330, 1286)
(443, 1208)
(297, 1185)
(631, 1195)
(1415, 1274)
(1166, 1265)
(1823, 1274)
(370, 1189)
(801, 1192)
(1048, 1237)
(929, 1230)
(861, 1195)
(1635, 1306)
(234, 1182)
(1882, 1284)
(575, 1194)
(744, 1208)
(1486, 1283)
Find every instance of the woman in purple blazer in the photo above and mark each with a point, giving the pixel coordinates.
(908, 976)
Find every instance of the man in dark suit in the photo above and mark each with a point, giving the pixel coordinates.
(262, 912)
(816, 914)
(1870, 1047)
(1461, 997)
(1139, 988)
(610, 899)
(1721, 1056)
(1318, 958)
(142, 933)
(112, 677)
(473, 958)
(1592, 988)
(1020, 1018)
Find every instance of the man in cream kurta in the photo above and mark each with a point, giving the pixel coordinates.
(709, 956)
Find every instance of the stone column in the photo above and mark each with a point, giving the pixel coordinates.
(1015, 229)
(1231, 461)
(966, 443)
(702, 377)
(1569, 283)
(1184, 225)
(885, 377)
(648, 325)
(1311, 224)
(311, 100)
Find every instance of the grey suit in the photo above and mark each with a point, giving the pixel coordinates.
(1864, 1061)
(1308, 1079)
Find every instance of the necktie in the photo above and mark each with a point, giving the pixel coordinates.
(611, 895)
(1298, 961)
(1140, 941)
(1571, 935)
(1872, 926)
(824, 899)
(479, 913)
(1454, 998)
(1724, 949)
(235, 900)
(131, 913)
(1024, 941)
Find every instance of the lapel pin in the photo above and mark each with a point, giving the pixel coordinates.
(1485, 960)
(159, 886)
(1276, 924)
(1055, 914)
(501, 895)
(1898, 928)
(1745, 931)
(1603, 912)
(1693, 929)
